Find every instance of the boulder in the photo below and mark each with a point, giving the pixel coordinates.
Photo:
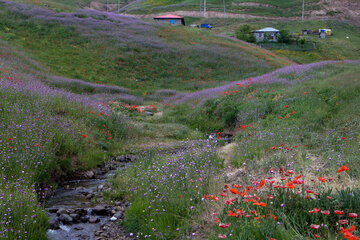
(100, 210)
(94, 219)
(118, 215)
(75, 217)
(54, 223)
(61, 211)
(65, 218)
(89, 174)
(84, 219)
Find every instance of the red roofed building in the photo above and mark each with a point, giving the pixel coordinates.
(170, 18)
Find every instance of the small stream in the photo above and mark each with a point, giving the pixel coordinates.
(75, 214)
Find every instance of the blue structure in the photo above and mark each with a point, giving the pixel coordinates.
(206, 26)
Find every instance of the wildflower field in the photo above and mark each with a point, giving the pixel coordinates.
(83, 88)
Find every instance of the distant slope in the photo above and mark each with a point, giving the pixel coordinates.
(127, 52)
(285, 8)
(346, 10)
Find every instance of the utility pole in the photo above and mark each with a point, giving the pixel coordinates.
(200, 7)
(118, 6)
(107, 6)
(204, 8)
(303, 10)
(224, 9)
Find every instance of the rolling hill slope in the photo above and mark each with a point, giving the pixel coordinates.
(125, 51)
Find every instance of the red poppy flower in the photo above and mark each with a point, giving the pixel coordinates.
(343, 221)
(222, 236)
(224, 225)
(353, 215)
(290, 185)
(234, 191)
(338, 212)
(328, 197)
(214, 198)
(261, 184)
(326, 212)
(347, 232)
(322, 179)
(313, 226)
(342, 168)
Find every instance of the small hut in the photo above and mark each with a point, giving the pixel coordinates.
(170, 18)
(271, 33)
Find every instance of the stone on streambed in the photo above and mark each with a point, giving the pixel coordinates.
(52, 210)
(65, 218)
(61, 211)
(94, 219)
(89, 196)
(100, 210)
(54, 223)
(75, 217)
(89, 174)
(118, 215)
(125, 158)
(81, 211)
(84, 219)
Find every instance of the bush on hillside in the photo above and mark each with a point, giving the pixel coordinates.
(243, 32)
(284, 36)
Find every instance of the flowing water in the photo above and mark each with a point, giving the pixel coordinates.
(72, 195)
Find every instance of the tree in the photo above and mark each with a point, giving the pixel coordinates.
(243, 32)
(284, 36)
(251, 38)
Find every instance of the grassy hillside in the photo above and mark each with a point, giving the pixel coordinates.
(45, 133)
(60, 5)
(343, 44)
(299, 122)
(127, 52)
(254, 7)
